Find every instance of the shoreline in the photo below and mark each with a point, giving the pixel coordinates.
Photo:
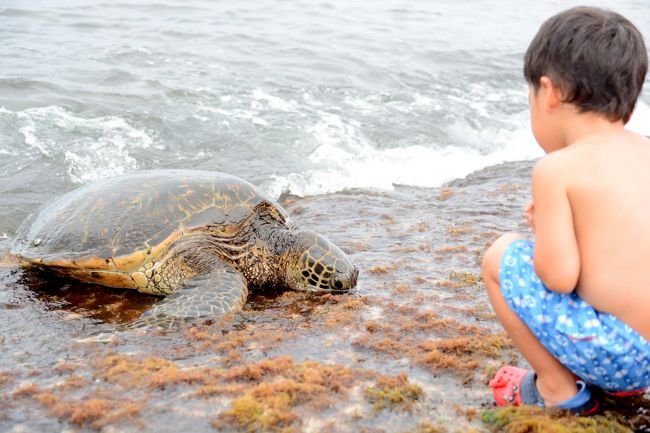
(410, 350)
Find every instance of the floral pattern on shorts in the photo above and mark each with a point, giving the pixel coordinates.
(596, 346)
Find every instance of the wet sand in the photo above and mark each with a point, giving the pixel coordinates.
(410, 350)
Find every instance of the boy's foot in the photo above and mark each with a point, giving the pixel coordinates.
(512, 386)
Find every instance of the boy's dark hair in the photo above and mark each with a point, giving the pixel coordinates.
(596, 57)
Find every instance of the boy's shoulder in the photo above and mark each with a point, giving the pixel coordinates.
(601, 154)
(561, 162)
(595, 159)
(554, 169)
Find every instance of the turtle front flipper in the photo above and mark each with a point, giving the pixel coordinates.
(210, 295)
(221, 290)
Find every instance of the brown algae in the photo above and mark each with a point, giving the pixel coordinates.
(538, 420)
(393, 392)
(272, 404)
(93, 410)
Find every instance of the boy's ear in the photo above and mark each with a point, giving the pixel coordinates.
(552, 94)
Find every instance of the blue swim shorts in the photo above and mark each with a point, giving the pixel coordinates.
(597, 347)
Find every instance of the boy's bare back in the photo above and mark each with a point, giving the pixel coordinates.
(604, 179)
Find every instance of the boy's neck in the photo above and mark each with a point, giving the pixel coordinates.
(580, 126)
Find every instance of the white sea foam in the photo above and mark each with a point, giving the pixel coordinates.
(44, 146)
(92, 148)
(274, 102)
(236, 113)
(345, 159)
(414, 165)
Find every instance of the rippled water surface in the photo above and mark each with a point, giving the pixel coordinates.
(364, 119)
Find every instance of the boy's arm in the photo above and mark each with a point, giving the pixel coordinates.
(556, 256)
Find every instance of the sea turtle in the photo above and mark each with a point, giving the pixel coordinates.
(201, 238)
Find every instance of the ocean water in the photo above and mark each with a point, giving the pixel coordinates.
(300, 97)
(398, 129)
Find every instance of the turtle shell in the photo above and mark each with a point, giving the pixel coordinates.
(115, 223)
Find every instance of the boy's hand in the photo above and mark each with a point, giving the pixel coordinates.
(529, 214)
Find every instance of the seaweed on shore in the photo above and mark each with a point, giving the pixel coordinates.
(528, 419)
(271, 405)
(95, 410)
(5, 378)
(436, 342)
(393, 392)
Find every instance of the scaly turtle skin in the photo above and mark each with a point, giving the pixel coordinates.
(200, 237)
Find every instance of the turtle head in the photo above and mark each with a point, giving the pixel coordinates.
(320, 266)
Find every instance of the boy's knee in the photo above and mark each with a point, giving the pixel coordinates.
(492, 257)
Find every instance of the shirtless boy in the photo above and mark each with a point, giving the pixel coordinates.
(576, 301)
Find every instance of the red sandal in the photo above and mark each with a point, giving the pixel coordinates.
(506, 387)
(513, 386)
